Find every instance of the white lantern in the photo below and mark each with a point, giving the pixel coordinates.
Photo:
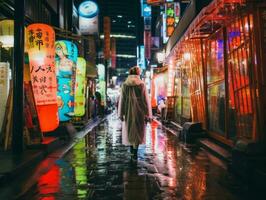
(7, 33)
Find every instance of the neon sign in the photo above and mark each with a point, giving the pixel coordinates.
(66, 59)
(88, 17)
(79, 109)
(40, 43)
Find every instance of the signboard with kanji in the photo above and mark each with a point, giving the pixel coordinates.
(170, 19)
(172, 12)
(40, 44)
(41, 39)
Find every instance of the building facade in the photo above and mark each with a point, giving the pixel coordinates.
(124, 23)
(62, 17)
(219, 71)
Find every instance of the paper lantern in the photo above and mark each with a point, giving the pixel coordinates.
(40, 42)
(80, 85)
(7, 33)
(66, 54)
(101, 87)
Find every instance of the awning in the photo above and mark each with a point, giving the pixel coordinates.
(181, 27)
(210, 19)
(213, 17)
(191, 12)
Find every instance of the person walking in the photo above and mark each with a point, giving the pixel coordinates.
(162, 110)
(134, 110)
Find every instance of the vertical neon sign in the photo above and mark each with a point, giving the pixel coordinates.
(66, 58)
(79, 109)
(40, 40)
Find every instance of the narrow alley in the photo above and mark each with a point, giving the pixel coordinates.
(99, 167)
(132, 99)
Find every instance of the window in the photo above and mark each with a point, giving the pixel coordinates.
(239, 62)
(215, 83)
(196, 82)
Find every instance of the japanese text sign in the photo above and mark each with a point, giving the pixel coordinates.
(40, 46)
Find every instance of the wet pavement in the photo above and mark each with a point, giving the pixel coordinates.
(99, 167)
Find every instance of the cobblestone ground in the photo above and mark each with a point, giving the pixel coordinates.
(99, 167)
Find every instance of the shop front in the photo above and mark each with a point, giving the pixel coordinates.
(218, 63)
(159, 81)
(53, 71)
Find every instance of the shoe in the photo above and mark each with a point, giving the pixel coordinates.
(135, 153)
(131, 150)
(134, 159)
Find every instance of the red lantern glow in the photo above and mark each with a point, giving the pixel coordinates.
(40, 46)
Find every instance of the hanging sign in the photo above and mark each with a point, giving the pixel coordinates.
(107, 39)
(66, 54)
(170, 19)
(40, 39)
(163, 29)
(80, 85)
(146, 10)
(147, 44)
(141, 60)
(113, 53)
(102, 84)
(177, 12)
(88, 17)
(172, 12)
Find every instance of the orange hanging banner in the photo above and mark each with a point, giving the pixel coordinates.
(107, 39)
(40, 46)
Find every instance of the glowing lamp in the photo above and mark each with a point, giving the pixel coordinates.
(40, 40)
(160, 57)
(79, 109)
(7, 33)
(88, 17)
(187, 56)
(102, 84)
(114, 79)
(66, 54)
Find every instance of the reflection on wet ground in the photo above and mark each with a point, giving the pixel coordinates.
(99, 167)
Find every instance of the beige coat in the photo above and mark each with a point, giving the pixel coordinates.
(134, 107)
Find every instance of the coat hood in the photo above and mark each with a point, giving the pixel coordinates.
(133, 80)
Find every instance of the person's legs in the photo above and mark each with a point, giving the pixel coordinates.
(163, 115)
(135, 151)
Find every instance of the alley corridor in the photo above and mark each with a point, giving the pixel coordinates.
(99, 167)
